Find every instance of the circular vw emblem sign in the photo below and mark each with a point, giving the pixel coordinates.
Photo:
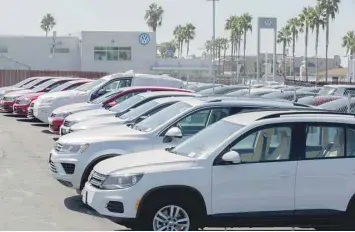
(144, 39)
(267, 23)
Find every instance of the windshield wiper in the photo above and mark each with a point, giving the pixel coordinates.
(170, 149)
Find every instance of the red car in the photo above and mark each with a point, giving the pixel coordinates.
(23, 103)
(9, 99)
(107, 101)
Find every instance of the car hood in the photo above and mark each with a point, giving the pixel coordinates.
(144, 162)
(62, 94)
(88, 114)
(74, 108)
(121, 132)
(32, 95)
(97, 122)
(19, 93)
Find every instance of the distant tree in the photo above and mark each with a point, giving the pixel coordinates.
(47, 23)
(179, 35)
(294, 26)
(284, 37)
(154, 16)
(305, 22)
(167, 49)
(190, 33)
(349, 43)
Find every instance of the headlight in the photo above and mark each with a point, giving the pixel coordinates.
(73, 148)
(23, 101)
(62, 115)
(47, 101)
(121, 181)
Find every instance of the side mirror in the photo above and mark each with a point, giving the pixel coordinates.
(141, 118)
(101, 92)
(173, 132)
(232, 157)
(46, 89)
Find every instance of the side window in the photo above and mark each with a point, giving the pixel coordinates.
(74, 86)
(260, 145)
(350, 92)
(125, 83)
(350, 145)
(194, 123)
(218, 114)
(324, 142)
(125, 97)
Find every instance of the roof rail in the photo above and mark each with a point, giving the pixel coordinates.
(305, 111)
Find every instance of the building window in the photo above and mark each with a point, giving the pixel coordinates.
(112, 53)
(3, 49)
(60, 50)
(125, 53)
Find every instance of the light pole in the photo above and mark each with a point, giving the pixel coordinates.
(213, 41)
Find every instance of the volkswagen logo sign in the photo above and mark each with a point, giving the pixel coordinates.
(267, 23)
(144, 39)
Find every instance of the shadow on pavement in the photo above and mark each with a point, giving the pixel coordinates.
(74, 203)
(40, 124)
(47, 132)
(26, 120)
(55, 139)
(12, 115)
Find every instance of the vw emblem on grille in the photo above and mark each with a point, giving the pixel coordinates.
(267, 23)
(144, 39)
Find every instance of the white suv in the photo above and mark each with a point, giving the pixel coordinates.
(272, 168)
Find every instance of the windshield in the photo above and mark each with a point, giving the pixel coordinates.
(104, 97)
(44, 85)
(127, 104)
(24, 82)
(164, 115)
(61, 87)
(33, 83)
(139, 110)
(327, 90)
(206, 140)
(90, 85)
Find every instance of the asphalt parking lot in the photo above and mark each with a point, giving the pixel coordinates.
(30, 199)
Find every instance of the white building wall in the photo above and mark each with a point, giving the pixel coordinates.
(35, 52)
(142, 56)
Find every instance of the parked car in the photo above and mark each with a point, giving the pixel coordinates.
(318, 100)
(18, 85)
(289, 95)
(202, 87)
(118, 110)
(22, 103)
(314, 89)
(10, 98)
(46, 104)
(75, 154)
(221, 90)
(340, 105)
(258, 92)
(106, 101)
(264, 169)
(131, 118)
(340, 90)
(30, 85)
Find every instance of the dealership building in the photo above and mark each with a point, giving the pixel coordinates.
(94, 51)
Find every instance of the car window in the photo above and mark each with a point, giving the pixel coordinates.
(74, 86)
(111, 86)
(193, 122)
(267, 144)
(218, 114)
(324, 142)
(125, 97)
(350, 145)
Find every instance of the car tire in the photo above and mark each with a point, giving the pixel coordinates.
(157, 214)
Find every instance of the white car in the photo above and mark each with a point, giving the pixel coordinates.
(132, 117)
(75, 154)
(266, 168)
(46, 104)
(119, 109)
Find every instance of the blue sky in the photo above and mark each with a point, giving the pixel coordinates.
(22, 17)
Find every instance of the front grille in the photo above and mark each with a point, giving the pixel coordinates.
(115, 207)
(97, 179)
(52, 167)
(66, 123)
(30, 113)
(58, 147)
(68, 168)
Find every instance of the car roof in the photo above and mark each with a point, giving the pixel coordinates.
(255, 102)
(148, 88)
(293, 115)
(162, 93)
(340, 86)
(169, 99)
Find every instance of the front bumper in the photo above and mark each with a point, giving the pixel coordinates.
(55, 124)
(42, 112)
(66, 169)
(7, 106)
(100, 200)
(21, 110)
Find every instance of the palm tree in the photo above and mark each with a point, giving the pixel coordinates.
(305, 21)
(165, 47)
(154, 16)
(317, 22)
(294, 26)
(179, 35)
(208, 48)
(284, 37)
(190, 33)
(225, 46)
(246, 26)
(47, 23)
(349, 43)
(230, 25)
(330, 9)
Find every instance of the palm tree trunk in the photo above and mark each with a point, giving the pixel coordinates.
(219, 60)
(284, 59)
(293, 54)
(326, 48)
(187, 48)
(306, 53)
(224, 58)
(244, 56)
(317, 41)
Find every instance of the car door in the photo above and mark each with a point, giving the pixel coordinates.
(326, 170)
(264, 181)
